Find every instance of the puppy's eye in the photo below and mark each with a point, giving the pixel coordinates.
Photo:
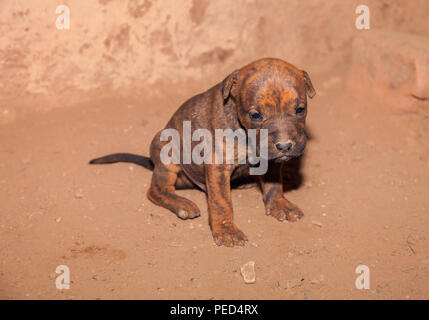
(255, 116)
(299, 110)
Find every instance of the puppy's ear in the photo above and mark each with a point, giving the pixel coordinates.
(228, 85)
(310, 89)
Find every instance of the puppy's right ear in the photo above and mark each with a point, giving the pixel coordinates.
(228, 85)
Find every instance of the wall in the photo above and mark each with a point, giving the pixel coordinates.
(137, 43)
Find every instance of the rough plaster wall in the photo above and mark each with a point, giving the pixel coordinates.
(122, 43)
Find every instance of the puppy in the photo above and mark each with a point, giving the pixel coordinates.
(268, 95)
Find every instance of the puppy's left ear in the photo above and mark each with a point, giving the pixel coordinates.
(228, 85)
(310, 89)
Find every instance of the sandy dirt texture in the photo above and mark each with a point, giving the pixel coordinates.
(64, 99)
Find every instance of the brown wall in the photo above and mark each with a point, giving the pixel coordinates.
(123, 43)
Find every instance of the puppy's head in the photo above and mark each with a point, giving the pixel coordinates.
(272, 94)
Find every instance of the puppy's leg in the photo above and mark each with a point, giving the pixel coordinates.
(276, 204)
(224, 231)
(162, 192)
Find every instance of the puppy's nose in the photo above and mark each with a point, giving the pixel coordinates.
(284, 146)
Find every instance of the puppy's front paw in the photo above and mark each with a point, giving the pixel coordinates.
(228, 235)
(284, 210)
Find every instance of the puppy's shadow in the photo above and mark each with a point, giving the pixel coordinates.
(292, 177)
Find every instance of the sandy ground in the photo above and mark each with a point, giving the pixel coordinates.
(362, 185)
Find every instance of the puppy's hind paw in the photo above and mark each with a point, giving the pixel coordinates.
(188, 213)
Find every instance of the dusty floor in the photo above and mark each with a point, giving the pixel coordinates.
(364, 192)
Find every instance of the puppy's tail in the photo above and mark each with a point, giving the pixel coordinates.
(125, 157)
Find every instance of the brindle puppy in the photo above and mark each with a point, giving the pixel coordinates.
(266, 94)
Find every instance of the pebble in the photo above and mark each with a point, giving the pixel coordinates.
(78, 194)
(308, 184)
(58, 220)
(317, 223)
(294, 283)
(248, 272)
